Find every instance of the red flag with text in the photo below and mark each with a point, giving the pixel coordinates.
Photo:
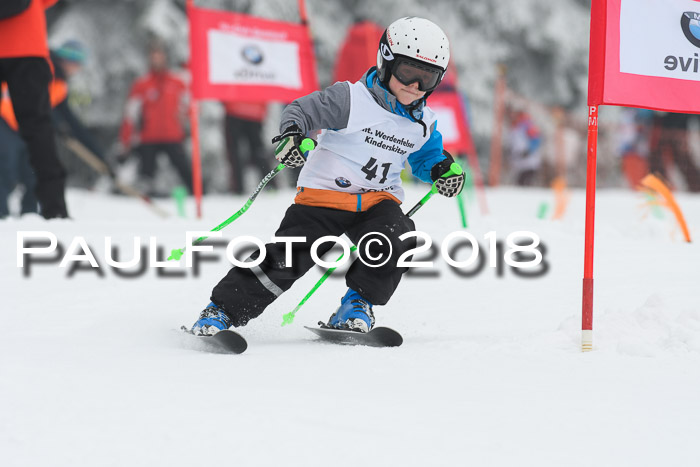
(452, 122)
(644, 53)
(241, 57)
(358, 52)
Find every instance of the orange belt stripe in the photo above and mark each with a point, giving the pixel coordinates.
(355, 202)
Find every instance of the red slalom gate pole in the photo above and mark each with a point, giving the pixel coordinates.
(499, 109)
(194, 129)
(302, 12)
(478, 177)
(196, 159)
(587, 310)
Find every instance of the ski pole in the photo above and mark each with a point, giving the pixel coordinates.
(462, 210)
(306, 145)
(455, 169)
(288, 318)
(460, 199)
(102, 168)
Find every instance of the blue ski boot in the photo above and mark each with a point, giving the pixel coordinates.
(211, 320)
(354, 313)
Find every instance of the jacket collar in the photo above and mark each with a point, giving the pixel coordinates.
(388, 101)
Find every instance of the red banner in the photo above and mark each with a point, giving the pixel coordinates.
(452, 123)
(358, 52)
(645, 54)
(241, 57)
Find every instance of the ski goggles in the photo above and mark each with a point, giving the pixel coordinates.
(409, 71)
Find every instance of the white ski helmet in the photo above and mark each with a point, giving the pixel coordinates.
(420, 46)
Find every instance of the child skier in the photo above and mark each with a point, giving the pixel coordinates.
(350, 182)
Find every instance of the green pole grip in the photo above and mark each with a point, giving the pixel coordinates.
(455, 169)
(307, 145)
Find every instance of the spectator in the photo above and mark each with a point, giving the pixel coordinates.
(154, 119)
(68, 60)
(15, 168)
(243, 124)
(24, 67)
(524, 146)
(633, 133)
(669, 143)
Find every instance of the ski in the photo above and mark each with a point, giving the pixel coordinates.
(226, 341)
(377, 337)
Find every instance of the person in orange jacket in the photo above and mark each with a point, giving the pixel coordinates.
(14, 161)
(24, 67)
(67, 60)
(154, 119)
(14, 158)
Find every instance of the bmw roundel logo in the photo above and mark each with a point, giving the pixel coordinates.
(691, 27)
(342, 182)
(252, 54)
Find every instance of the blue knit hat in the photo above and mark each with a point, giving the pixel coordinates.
(72, 51)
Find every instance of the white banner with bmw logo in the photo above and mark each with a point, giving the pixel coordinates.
(660, 38)
(247, 58)
(645, 53)
(235, 58)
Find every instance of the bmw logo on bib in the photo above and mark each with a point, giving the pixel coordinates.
(342, 182)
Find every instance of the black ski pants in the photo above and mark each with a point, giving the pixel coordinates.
(28, 81)
(148, 152)
(245, 292)
(244, 145)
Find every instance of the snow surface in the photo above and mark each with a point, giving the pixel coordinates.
(94, 372)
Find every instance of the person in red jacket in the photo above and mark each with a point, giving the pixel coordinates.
(154, 119)
(24, 67)
(669, 143)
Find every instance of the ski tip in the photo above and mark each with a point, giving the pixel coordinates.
(389, 336)
(377, 337)
(225, 341)
(231, 341)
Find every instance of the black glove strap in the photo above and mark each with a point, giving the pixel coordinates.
(293, 131)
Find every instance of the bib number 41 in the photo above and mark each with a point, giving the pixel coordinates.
(371, 167)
